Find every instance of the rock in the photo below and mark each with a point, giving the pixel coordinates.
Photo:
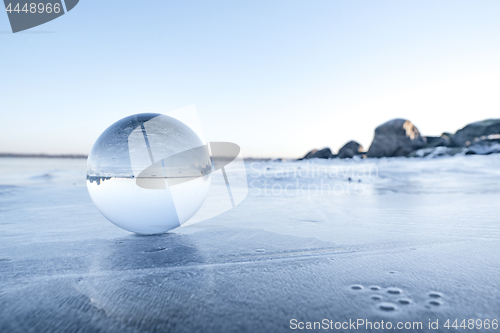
(323, 153)
(433, 141)
(485, 145)
(397, 137)
(439, 141)
(465, 136)
(350, 149)
(437, 152)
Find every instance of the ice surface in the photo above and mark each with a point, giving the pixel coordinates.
(402, 240)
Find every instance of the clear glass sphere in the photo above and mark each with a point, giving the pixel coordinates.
(148, 173)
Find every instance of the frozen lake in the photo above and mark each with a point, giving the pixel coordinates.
(398, 240)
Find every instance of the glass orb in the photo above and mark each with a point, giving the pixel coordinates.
(148, 173)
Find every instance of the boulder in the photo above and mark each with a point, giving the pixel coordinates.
(438, 141)
(485, 145)
(350, 149)
(433, 152)
(397, 137)
(323, 153)
(466, 136)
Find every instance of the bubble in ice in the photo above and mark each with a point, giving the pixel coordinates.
(386, 306)
(148, 173)
(435, 302)
(435, 294)
(394, 291)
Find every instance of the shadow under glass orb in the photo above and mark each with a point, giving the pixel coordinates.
(146, 282)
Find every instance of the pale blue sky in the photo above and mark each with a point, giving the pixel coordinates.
(276, 77)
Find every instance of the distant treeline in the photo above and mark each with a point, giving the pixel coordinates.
(42, 155)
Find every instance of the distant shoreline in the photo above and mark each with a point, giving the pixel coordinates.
(42, 155)
(78, 156)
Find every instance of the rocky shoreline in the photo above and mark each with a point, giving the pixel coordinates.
(400, 137)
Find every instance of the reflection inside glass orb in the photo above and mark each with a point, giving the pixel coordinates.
(148, 173)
